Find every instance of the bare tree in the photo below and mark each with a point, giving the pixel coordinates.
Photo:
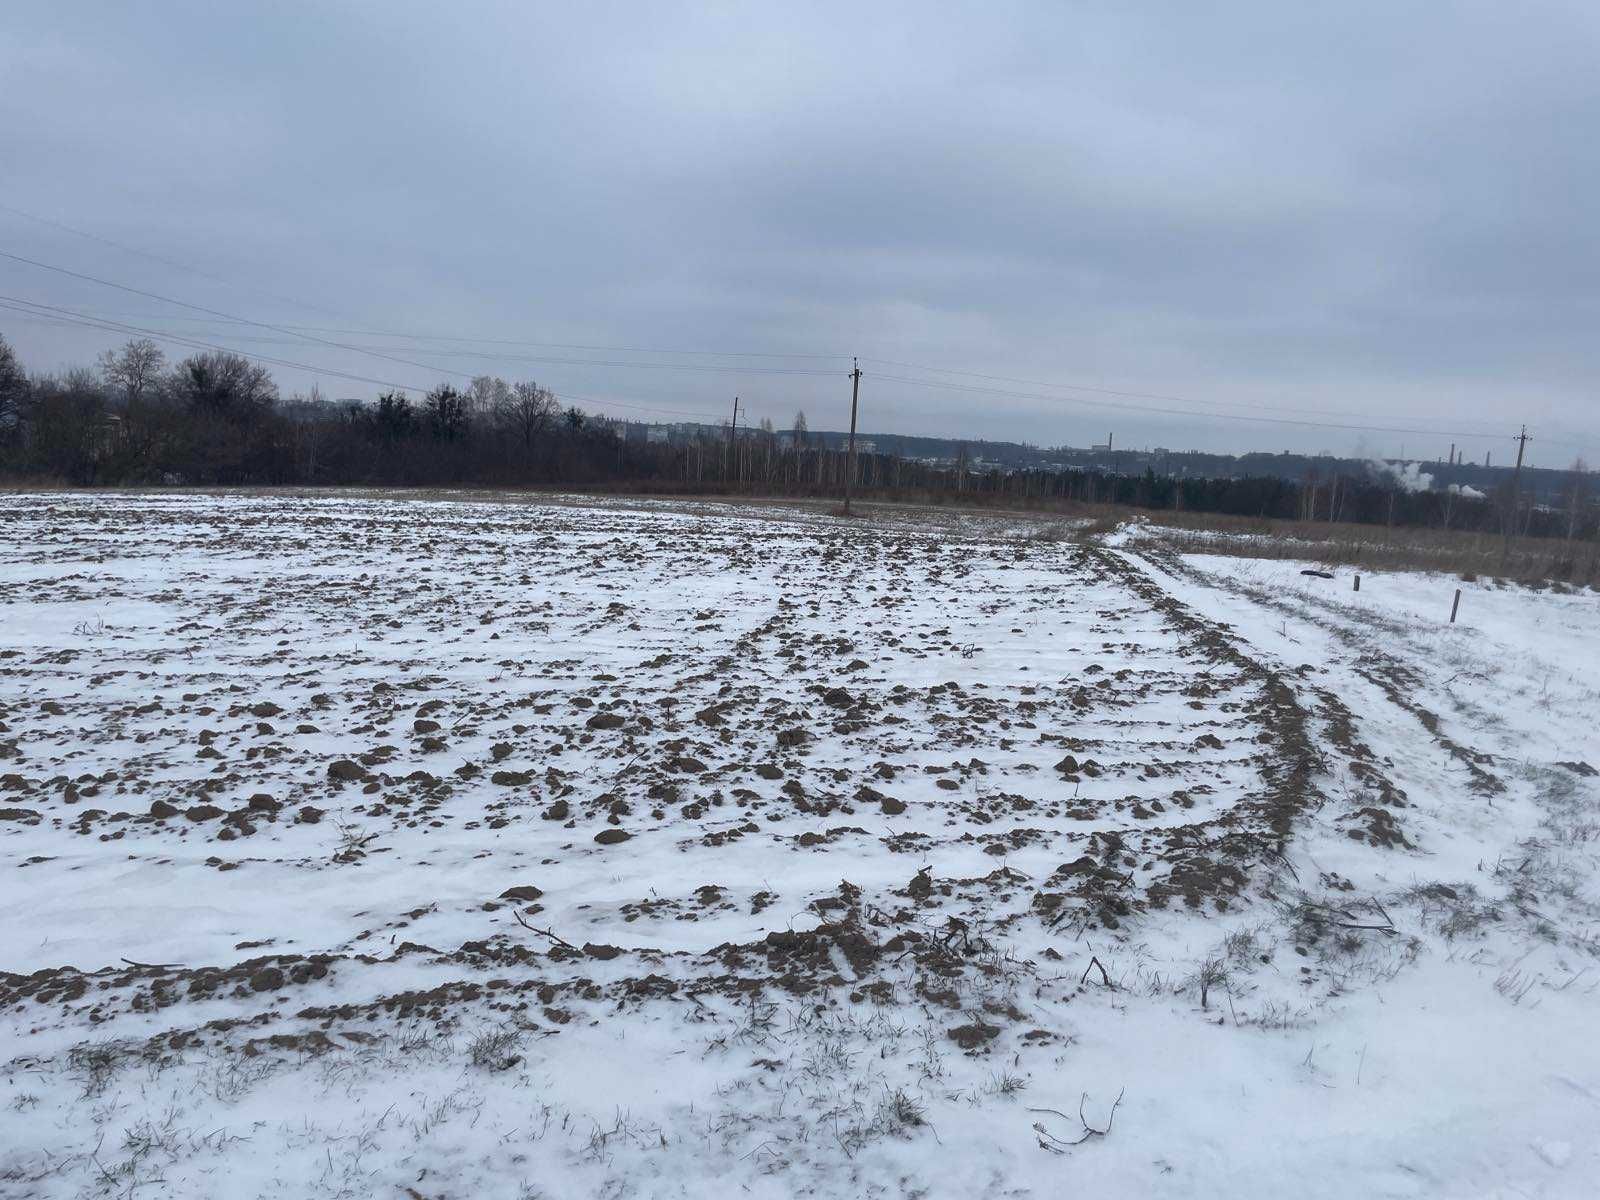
(1577, 494)
(133, 371)
(13, 387)
(486, 394)
(225, 385)
(802, 433)
(67, 432)
(527, 411)
(1447, 504)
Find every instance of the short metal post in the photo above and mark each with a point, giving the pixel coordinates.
(1455, 604)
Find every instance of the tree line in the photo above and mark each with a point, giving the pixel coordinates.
(217, 419)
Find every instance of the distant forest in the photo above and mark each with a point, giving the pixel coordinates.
(217, 419)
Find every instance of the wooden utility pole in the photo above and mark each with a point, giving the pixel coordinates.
(850, 462)
(1516, 490)
(732, 429)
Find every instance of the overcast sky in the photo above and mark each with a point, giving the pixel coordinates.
(1378, 215)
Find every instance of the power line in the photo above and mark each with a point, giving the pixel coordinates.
(59, 315)
(122, 287)
(602, 349)
(378, 353)
(181, 266)
(681, 412)
(339, 330)
(1083, 387)
(301, 332)
(449, 337)
(16, 304)
(193, 270)
(713, 368)
(1076, 387)
(308, 332)
(1178, 412)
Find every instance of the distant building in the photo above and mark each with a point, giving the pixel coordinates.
(656, 434)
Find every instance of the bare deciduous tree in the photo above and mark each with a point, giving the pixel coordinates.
(1447, 504)
(1577, 494)
(133, 371)
(13, 387)
(486, 394)
(225, 385)
(527, 411)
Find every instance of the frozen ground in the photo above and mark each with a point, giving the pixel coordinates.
(355, 846)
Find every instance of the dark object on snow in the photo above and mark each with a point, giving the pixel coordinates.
(1318, 574)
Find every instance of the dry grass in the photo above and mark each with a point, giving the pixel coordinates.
(1533, 561)
(17, 484)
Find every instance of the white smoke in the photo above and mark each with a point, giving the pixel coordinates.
(1409, 477)
(1465, 490)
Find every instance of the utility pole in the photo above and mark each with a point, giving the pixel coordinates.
(733, 458)
(1516, 489)
(850, 462)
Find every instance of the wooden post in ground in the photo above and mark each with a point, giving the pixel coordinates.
(1516, 490)
(850, 463)
(1455, 604)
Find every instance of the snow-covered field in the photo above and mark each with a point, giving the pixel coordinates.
(478, 847)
